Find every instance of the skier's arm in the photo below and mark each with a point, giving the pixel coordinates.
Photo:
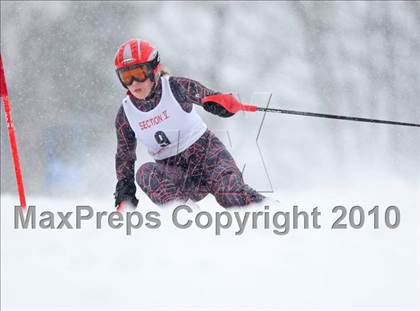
(124, 160)
(188, 92)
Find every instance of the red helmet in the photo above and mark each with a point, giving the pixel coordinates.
(135, 52)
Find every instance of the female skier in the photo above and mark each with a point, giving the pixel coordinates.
(158, 111)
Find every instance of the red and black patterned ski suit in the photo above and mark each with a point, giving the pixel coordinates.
(205, 167)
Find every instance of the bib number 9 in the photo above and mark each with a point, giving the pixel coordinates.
(162, 139)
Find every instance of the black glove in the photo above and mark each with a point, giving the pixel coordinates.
(217, 109)
(125, 191)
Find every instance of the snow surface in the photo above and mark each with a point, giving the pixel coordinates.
(192, 269)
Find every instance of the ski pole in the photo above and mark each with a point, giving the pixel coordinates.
(231, 104)
(332, 116)
(12, 138)
(121, 206)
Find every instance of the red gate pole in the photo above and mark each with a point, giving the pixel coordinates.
(12, 138)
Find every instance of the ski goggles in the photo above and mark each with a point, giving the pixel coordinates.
(138, 72)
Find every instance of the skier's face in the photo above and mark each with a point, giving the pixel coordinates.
(141, 90)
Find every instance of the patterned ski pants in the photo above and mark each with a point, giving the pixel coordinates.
(205, 167)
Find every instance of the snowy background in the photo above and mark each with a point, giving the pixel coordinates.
(360, 59)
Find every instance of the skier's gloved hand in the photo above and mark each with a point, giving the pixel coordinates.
(218, 104)
(125, 191)
(224, 105)
(217, 109)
